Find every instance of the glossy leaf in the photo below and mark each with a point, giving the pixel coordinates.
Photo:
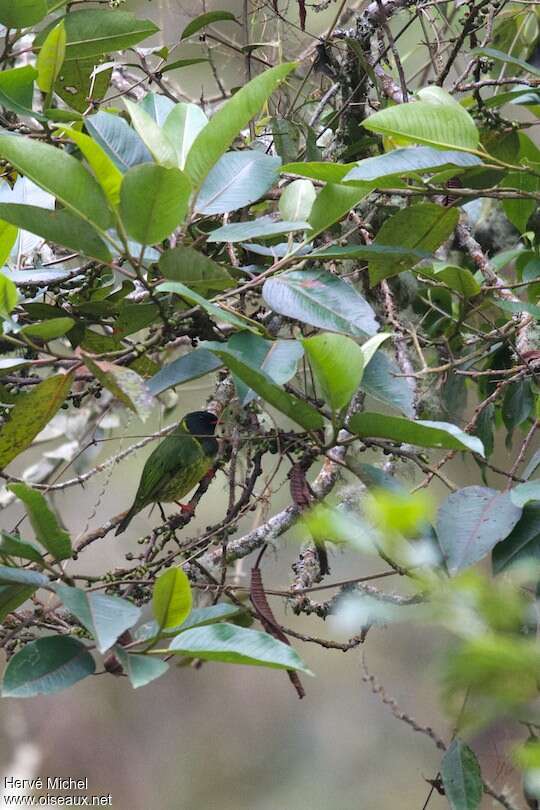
(237, 179)
(522, 543)
(140, 669)
(105, 170)
(297, 200)
(48, 531)
(277, 358)
(321, 299)
(236, 645)
(189, 367)
(8, 294)
(23, 576)
(214, 140)
(471, 522)
(206, 19)
(46, 666)
(338, 364)
(157, 106)
(520, 209)
(48, 330)
(152, 135)
(194, 269)
(22, 13)
(171, 599)
(327, 172)
(122, 144)
(300, 412)
(59, 227)
(419, 432)
(60, 174)
(12, 597)
(13, 546)
(255, 229)
(92, 32)
(407, 161)
(182, 126)
(17, 90)
(382, 380)
(332, 204)
(77, 83)
(31, 413)
(105, 617)
(153, 202)
(457, 278)
(421, 227)
(508, 59)
(51, 58)
(447, 126)
(215, 312)
(461, 777)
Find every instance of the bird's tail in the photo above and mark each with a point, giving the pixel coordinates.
(126, 520)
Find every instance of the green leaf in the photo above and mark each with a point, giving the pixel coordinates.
(193, 268)
(124, 384)
(297, 200)
(254, 229)
(517, 404)
(51, 58)
(46, 666)
(153, 202)
(152, 135)
(60, 227)
(79, 81)
(158, 107)
(383, 382)
(32, 412)
(447, 126)
(517, 307)
(373, 251)
(217, 313)
(17, 90)
(106, 172)
(371, 346)
(182, 126)
(327, 172)
(499, 56)
(277, 358)
(338, 364)
(214, 140)
(236, 645)
(471, 522)
(237, 179)
(171, 600)
(44, 522)
(523, 542)
(12, 546)
(321, 299)
(189, 367)
(8, 293)
(12, 597)
(60, 174)
(140, 669)
(122, 144)
(105, 617)
(22, 576)
(418, 432)
(22, 13)
(197, 618)
(182, 63)
(457, 278)
(206, 19)
(48, 330)
(522, 494)
(421, 227)
(461, 777)
(92, 32)
(332, 204)
(409, 161)
(300, 412)
(520, 210)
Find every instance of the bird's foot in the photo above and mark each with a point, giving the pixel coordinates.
(186, 508)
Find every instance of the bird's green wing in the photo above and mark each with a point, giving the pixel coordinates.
(179, 456)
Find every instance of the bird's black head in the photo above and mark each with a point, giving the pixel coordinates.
(201, 423)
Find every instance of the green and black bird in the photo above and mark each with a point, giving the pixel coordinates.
(177, 464)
